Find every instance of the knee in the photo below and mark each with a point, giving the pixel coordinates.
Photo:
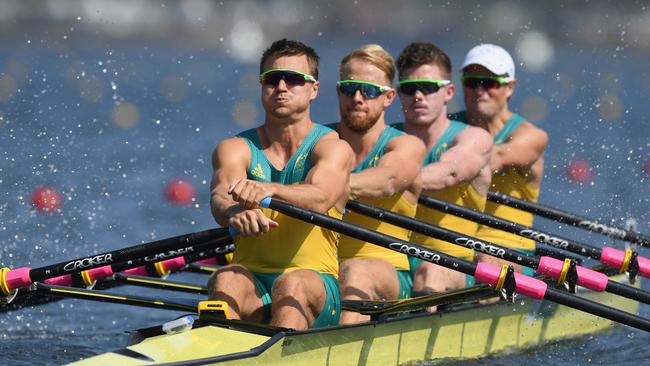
(351, 269)
(224, 278)
(291, 284)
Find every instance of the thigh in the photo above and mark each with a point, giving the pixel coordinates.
(369, 279)
(303, 290)
(235, 285)
(431, 278)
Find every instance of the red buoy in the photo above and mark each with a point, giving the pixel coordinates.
(180, 192)
(46, 199)
(646, 167)
(579, 171)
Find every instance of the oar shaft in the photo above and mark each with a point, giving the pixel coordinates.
(125, 254)
(597, 309)
(611, 257)
(104, 296)
(438, 232)
(20, 277)
(569, 218)
(483, 272)
(511, 227)
(546, 265)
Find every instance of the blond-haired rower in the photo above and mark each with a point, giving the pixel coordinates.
(386, 174)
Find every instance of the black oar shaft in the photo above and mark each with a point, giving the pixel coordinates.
(511, 227)
(597, 309)
(438, 232)
(524, 283)
(125, 254)
(569, 218)
(485, 247)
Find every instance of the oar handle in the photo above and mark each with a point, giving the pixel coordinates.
(569, 218)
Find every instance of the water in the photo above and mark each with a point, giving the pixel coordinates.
(59, 128)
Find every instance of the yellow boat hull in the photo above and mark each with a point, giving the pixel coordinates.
(471, 332)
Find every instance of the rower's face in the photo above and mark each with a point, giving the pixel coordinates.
(357, 112)
(284, 100)
(483, 101)
(424, 109)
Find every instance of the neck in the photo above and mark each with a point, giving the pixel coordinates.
(283, 139)
(362, 142)
(492, 124)
(428, 133)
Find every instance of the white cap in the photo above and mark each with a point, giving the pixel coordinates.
(493, 58)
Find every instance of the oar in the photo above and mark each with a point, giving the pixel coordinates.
(547, 266)
(611, 257)
(12, 279)
(569, 218)
(105, 296)
(482, 272)
(157, 283)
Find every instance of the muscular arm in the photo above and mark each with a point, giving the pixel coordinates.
(229, 161)
(327, 180)
(395, 171)
(462, 163)
(525, 147)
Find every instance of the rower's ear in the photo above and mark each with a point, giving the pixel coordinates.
(510, 88)
(450, 91)
(314, 90)
(389, 97)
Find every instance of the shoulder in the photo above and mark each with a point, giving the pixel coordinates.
(405, 141)
(231, 148)
(530, 132)
(476, 135)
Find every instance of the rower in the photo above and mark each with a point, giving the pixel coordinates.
(517, 161)
(386, 175)
(279, 260)
(456, 165)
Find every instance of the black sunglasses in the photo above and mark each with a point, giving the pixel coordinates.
(290, 77)
(368, 90)
(426, 86)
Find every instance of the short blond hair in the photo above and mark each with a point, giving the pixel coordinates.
(375, 55)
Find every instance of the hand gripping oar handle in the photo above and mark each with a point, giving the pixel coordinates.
(611, 257)
(483, 272)
(548, 266)
(569, 218)
(21, 277)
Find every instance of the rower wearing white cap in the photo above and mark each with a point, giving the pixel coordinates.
(517, 161)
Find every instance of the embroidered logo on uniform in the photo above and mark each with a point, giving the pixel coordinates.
(258, 172)
(374, 161)
(300, 161)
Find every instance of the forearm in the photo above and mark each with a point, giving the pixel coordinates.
(375, 182)
(223, 207)
(309, 196)
(439, 176)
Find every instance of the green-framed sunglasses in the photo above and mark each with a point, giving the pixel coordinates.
(368, 90)
(290, 77)
(426, 86)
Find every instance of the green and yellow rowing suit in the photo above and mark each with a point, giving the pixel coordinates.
(350, 248)
(511, 182)
(295, 244)
(462, 194)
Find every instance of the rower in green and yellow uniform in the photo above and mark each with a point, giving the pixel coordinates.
(284, 270)
(517, 161)
(456, 165)
(386, 175)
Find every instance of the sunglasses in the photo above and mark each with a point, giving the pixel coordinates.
(368, 90)
(426, 86)
(290, 77)
(472, 81)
